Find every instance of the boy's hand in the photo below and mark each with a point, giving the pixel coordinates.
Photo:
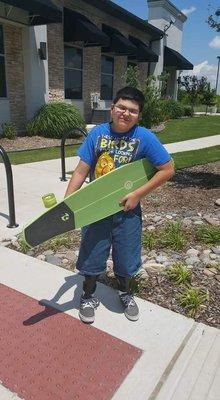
(130, 201)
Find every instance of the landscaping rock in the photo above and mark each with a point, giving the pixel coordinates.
(217, 202)
(41, 257)
(53, 259)
(153, 267)
(192, 252)
(210, 220)
(48, 252)
(207, 272)
(216, 250)
(192, 260)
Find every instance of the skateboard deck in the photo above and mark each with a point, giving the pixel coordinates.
(91, 203)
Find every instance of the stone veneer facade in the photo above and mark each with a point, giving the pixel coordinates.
(14, 56)
(91, 55)
(15, 74)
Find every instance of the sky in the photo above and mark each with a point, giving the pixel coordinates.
(201, 44)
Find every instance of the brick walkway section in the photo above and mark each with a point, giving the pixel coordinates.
(49, 355)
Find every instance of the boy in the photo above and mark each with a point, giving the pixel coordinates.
(108, 146)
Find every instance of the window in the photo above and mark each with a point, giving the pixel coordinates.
(3, 92)
(107, 76)
(73, 61)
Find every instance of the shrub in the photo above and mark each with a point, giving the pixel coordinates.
(173, 236)
(54, 119)
(149, 240)
(191, 300)
(179, 273)
(9, 130)
(152, 113)
(132, 76)
(209, 234)
(187, 111)
(172, 109)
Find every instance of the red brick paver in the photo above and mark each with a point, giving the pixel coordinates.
(46, 354)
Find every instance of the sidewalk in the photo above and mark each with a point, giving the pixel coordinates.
(47, 353)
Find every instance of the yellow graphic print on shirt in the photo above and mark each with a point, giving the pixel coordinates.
(104, 165)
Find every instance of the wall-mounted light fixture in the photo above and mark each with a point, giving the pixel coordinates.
(172, 22)
(42, 51)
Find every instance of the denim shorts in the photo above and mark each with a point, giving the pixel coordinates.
(122, 233)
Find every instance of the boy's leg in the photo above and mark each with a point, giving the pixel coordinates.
(126, 254)
(94, 252)
(88, 302)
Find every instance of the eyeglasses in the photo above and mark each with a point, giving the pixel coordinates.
(122, 109)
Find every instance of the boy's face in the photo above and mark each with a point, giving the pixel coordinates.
(125, 114)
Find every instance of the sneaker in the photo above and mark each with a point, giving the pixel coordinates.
(131, 309)
(87, 309)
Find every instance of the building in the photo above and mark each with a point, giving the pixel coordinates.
(79, 50)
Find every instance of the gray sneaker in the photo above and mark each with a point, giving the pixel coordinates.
(87, 309)
(131, 309)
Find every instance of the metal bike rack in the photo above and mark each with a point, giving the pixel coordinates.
(11, 203)
(62, 149)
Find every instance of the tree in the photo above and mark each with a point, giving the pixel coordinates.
(208, 96)
(132, 76)
(152, 113)
(213, 22)
(194, 88)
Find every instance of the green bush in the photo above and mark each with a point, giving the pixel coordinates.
(9, 130)
(152, 113)
(54, 119)
(172, 109)
(208, 234)
(187, 111)
(132, 76)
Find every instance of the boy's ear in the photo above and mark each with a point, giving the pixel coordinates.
(112, 106)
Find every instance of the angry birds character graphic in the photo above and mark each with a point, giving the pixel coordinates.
(104, 165)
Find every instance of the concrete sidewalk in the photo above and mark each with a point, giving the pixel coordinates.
(33, 180)
(180, 359)
(176, 358)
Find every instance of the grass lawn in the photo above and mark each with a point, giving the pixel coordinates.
(178, 130)
(50, 153)
(196, 157)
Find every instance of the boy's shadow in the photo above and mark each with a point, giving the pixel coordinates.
(107, 296)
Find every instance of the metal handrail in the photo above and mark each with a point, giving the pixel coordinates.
(62, 149)
(11, 203)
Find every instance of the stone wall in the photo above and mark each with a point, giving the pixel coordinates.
(55, 61)
(15, 74)
(91, 55)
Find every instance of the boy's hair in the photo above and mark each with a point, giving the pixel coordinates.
(130, 93)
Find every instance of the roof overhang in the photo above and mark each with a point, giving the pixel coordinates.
(144, 52)
(123, 15)
(174, 59)
(40, 11)
(78, 28)
(119, 44)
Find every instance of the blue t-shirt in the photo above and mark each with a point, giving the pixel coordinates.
(104, 150)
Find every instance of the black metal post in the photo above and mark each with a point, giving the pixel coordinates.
(11, 204)
(62, 150)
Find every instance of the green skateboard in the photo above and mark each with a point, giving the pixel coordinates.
(91, 203)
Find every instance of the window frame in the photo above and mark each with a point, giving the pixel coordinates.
(107, 74)
(73, 69)
(2, 55)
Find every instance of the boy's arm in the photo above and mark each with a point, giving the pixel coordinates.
(164, 173)
(78, 177)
